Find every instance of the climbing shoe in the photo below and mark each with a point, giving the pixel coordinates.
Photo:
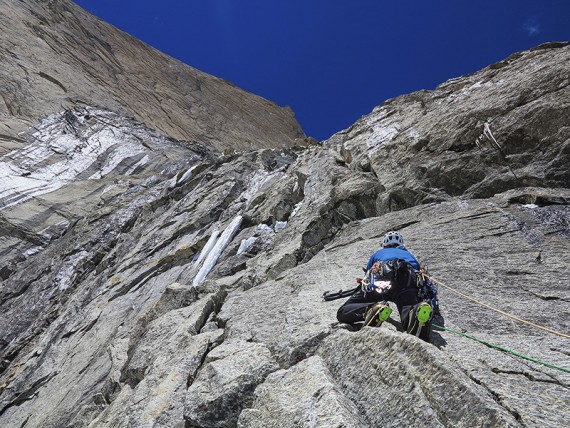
(377, 314)
(423, 312)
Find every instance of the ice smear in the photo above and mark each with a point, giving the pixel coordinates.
(373, 131)
(296, 209)
(279, 226)
(382, 133)
(216, 251)
(246, 245)
(462, 204)
(32, 251)
(413, 135)
(186, 176)
(208, 247)
(175, 181)
(530, 206)
(116, 150)
(144, 160)
(256, 182)
(263, 228)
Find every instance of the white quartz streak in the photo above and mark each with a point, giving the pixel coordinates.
(55, 158)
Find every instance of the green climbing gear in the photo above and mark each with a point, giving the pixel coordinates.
(377, 314)
(423, 313)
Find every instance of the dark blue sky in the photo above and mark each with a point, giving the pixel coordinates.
(333, 61)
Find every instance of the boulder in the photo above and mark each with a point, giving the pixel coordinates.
(225, 383)
(305, 395)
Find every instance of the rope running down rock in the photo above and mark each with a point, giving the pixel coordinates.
(499, 311)
(500, 348)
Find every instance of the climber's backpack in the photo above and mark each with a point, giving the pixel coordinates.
(407, 276)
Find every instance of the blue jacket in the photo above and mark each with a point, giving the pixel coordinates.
(387, 254)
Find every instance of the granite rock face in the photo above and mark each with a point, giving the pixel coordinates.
(503, 127)
(56, 56)
(148, 281)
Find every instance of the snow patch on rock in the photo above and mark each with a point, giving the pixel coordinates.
(208, 247)
(178, 180)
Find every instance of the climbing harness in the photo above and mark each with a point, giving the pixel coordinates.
(427, 289)
(499, 311)
(398, 270)
(490, 345)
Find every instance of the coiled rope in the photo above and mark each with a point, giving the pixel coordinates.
(499, 311)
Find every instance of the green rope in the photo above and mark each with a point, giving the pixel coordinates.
(490, 345)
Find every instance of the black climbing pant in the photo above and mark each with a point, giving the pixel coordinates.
(354, 310)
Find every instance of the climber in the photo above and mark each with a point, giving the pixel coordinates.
(391, 276)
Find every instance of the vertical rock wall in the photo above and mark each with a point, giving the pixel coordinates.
(56, 56)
